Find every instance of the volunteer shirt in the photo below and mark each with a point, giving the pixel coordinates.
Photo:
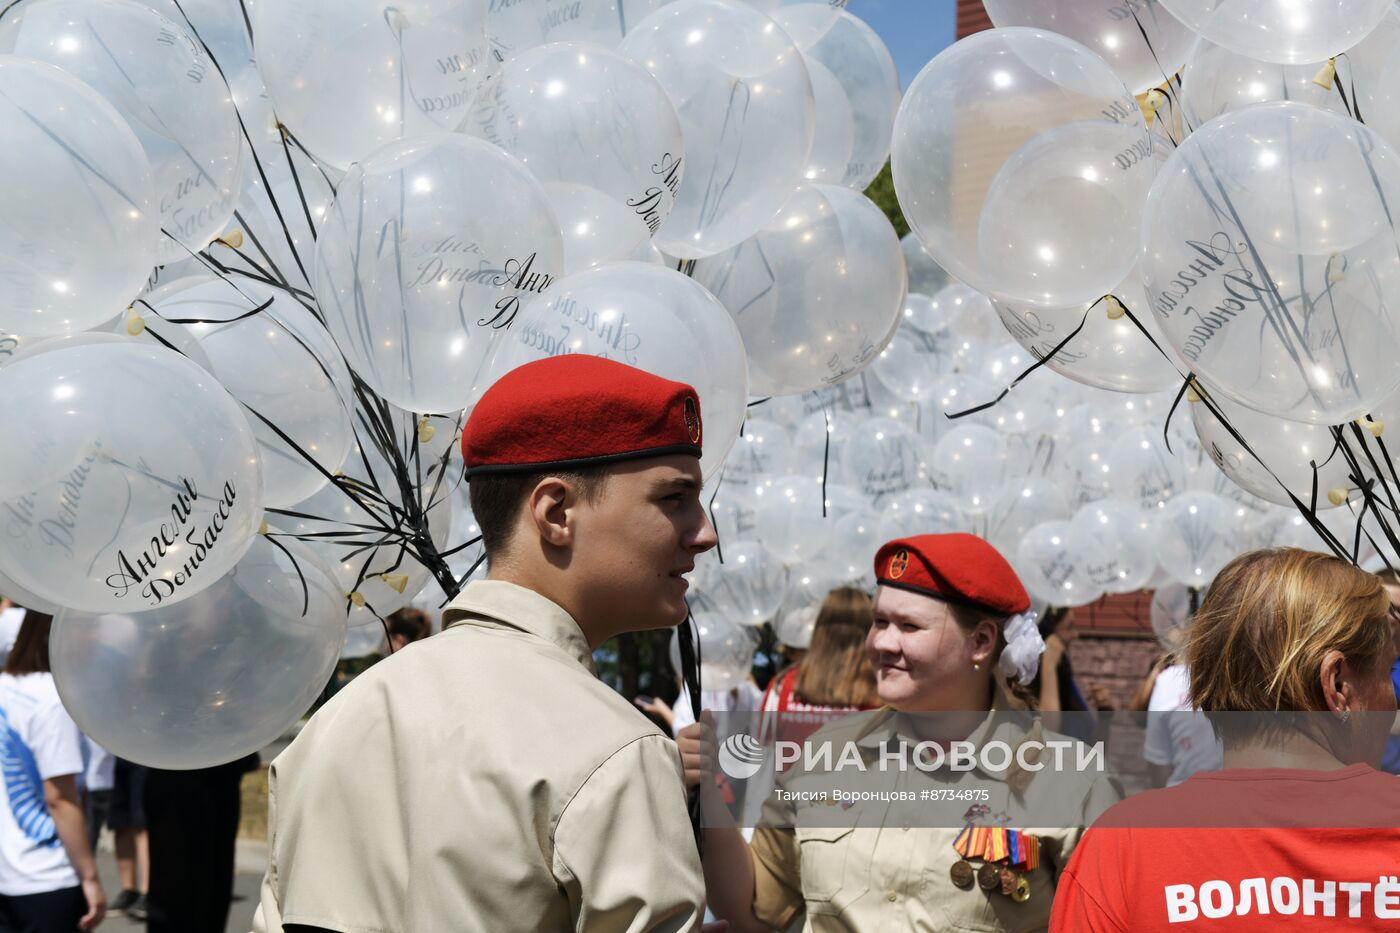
(1250, 860)
(38, 740)
(1178, 734)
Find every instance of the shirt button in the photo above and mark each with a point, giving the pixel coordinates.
(891, 896)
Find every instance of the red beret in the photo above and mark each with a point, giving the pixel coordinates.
(575, 411)
(960, 568)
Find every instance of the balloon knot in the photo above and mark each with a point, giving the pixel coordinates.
(135, 323)
(1114, 307)
(1326, 75)
(263, 528)
(1191, 394)
(426, 431)
(1337, 496)
(357, 598)
(1377, 428)
(233, 239)
(399, 581)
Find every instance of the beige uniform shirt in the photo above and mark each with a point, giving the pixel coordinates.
(866, 869)
(482, 779)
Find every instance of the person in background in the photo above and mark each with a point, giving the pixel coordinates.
(1294, 831)
(1055, 687)
(407, 626)
(11, 615)
(835, 676)
(126, 815)
(1179, 740)
(193, 829)
(48, 876)
(99, 773)
(1390, 763)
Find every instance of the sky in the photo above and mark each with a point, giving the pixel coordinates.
(914, 30)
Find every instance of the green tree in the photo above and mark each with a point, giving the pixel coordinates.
(881, 191)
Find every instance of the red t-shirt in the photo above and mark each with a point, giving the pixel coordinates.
(1241, 850)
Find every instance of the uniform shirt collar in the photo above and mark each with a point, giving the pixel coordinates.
(498, 604)
(1004, 722)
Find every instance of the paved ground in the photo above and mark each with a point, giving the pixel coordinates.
(245, 892)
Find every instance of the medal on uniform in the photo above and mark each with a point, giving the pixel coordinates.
(1022, 892)
(989, 876)
(1008, 880)
(962, 874)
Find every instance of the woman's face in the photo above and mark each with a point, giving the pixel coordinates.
(923, 659)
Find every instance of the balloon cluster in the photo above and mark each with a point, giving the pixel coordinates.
(256, 264)
(1183, 208)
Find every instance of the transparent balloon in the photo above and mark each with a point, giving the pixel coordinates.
(856, 88)
(854, 540)
(1172, 608)
(794, 627)
(920, 512)
(645, 316)
(1143, 471)
(1087, 456)
(762, 451)
(1106, 352)
(883, 457)
(415, 321)
(282, 364)
(515, 28)
(971, 462)
(1299, 455)
(816, 294)
(745, 103)
(1286, 31)
(1218, 81)
(1052, 568)
(790, 517)
(138, 484)
(161, 81)
(213, 679)
(349, 76)
(582, 116)
(1271, 263)
(1020, 159)
(1197, 535)
(1141, 41)
(1116, 542)
(748, 587)
(726, 651)
(1019, 507)
(80, 228)
(926, 276)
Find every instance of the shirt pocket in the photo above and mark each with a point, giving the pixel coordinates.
(830, 877)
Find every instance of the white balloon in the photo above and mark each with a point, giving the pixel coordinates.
(745, 102)
(1052, 568)
(349, 76)
(1287, 31)
(1197, 536)
(1116, 540)
(213, 679)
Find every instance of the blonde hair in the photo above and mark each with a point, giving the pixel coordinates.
(836, 671)
(1258, 641)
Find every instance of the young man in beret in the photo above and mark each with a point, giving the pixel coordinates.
(485, 779)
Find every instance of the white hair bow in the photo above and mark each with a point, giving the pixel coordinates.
(1021, 656)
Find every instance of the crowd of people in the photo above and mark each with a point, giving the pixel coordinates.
(485, 778)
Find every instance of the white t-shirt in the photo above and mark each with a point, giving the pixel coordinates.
(1177, 734)
(38, 741)
(99, 766)
(10, 620)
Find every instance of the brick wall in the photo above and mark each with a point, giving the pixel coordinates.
(972, 17)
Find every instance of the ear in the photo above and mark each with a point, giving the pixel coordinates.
(548, 511)
(1335, 676)
(984, 641)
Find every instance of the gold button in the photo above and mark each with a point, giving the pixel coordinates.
(891, 896)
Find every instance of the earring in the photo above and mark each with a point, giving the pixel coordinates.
(1346, 715)
(976, 666)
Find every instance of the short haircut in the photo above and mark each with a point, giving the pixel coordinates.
(30, 655)
(497, 498)
(409, 623)
(1257, 643)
